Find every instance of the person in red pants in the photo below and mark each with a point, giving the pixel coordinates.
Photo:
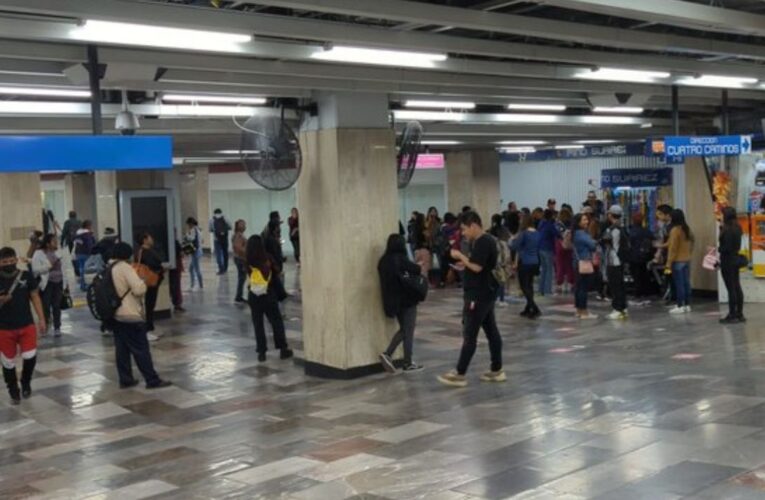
(18, 289)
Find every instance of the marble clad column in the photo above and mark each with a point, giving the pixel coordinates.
(472, 178)
(459, 180)
(106, 201)
(21, 209)
(348, 206)
(700, 215)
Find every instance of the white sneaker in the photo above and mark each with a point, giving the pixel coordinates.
(687, 309)
(501, 304)
(152, 337)
(677, 310)
(588, 316)
(617, 315)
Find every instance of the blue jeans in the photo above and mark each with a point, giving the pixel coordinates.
(221, 255)
(581, 289)
(195, 270)
(546, 272)
(681, 276)
(81, 259)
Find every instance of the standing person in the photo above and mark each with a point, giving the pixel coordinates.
(537, 215)
(664, 218)
(194, 239)
(273, 244)
(272, 217)
(452, 238)
(527, 247)
(595, 204)
(262, 268)
(552, 204)
(679, 249)
(617, 241)
(480, 290)
(18, 289)
(220, 228)
(49, 222)
(83, 246)
(398, 302)
(564, 254)
(105, 245)
(512, 219)
(584, 248)
(730, 265)
(129, 324)
(174, 276)
(422, 255)
(46, 267)
(641, 253)
(548, 234)
(239, 247)
(149, 257)
(294, 224)
(68, 235)
(500, 232)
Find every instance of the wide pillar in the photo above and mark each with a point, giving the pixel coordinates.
(472, 179)
(700, 214)
(194, 189)
(21, 206)
(348, 204)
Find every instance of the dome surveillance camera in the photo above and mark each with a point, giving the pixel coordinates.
(127, 123)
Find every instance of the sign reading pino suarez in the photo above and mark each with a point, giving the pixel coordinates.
(723, 145)
(635, 177)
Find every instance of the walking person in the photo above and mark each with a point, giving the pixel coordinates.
(68, 235)
(450, 233)
(526, 246)
(47, 268)
(422, 255)
(679, 248)
(129, 323)
(83, 246)
(193, 241)
(548, 235)
(398, 301)
(293, 222)
(564, 253)
(149, 257)
(730, 265)
(239, 247)
(617, 252)
(18, 289)
(502, 234)
(584, 248)
(263, 299)
(480, 290)
(219, 227)
(175, 275)
(641, 252)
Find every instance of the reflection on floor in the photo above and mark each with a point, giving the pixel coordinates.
(656, 407)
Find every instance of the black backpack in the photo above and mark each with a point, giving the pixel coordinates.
(103, 300)
(220, 226)
(625, 247)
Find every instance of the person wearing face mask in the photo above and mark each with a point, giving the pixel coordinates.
(18, 289)
(46, 266)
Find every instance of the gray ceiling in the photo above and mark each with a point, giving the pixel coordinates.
(500, 51)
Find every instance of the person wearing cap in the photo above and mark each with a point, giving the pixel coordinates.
(616, 240)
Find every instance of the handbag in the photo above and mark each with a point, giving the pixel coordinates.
(584, 266)
(416, 284)
(66, 300)
(711, 260)
(147, 275)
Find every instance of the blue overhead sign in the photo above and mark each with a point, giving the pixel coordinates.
(723, 145)
(85, 153)
(635, 177)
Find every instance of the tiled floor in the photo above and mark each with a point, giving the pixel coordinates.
(657, 407)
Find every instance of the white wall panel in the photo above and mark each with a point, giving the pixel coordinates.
(530, 184)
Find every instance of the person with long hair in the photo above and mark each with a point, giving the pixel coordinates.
(148, 256)
(194, 239)
(527, 247)
(564, 255)
(730, 265)
(239, 247)
(398, 302)
(422, 255)
(46, 266)
(680, 245)
(547, 237)
(293, 222)
(450, 232)
(263, 272)
(584, 248)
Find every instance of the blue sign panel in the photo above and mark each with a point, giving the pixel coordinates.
(635, 177)
(604, 151)
(723, 145)
(84, 153)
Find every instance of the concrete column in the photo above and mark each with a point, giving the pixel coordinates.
(700, 214)
(472, 178)
(194, 189)
(83, 189)
(21, 206)
(106, 201)
(348, 207)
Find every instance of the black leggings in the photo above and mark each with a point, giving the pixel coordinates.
(732, 278)
(267, 306)
(526, 281)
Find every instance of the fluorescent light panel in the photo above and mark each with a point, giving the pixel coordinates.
(382, 57)
(447, 116)
(41, 108)
(569, 146)
(618, 109)
(145, 35)
(519, 149)
(537, 107)
(623, 75)
(441, 143)
(522, 143)
(213, 99)
(402, 114)
(44, 92)
(597, 141)
(717, 81)
(188, 110)
(440, 104)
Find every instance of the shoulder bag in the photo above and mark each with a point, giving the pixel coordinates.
(584, 266)
(416, 284)
(147, 275)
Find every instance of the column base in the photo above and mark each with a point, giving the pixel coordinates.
(319, 370)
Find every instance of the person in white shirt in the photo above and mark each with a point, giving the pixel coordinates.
(46, 266)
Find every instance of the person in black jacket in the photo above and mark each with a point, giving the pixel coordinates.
(730, 265)
(149, 257)
(398, 302)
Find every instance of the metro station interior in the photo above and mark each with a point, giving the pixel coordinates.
(232, 193)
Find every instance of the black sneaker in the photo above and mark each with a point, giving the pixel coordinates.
(742, 319)
(240, 300)
(729, 320)
(286, 354)
(160, 384)
(128, 385)
(15, 395)
(387, 363)
(261, 357)
(26, 391)
(413, 367)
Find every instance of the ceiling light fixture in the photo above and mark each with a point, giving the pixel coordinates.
(213, 99)
(597, 141)
(522, 143)
(446, 116)
(518, 150)
(43, 92)
(41, 108)
(569, 146)
(611, 120)
(717, 81)
(440, 143)
(632, 110)
(439, 104)
(187, 110)
(623, 75)
(158, 36)
(537, 107)
(382, 57)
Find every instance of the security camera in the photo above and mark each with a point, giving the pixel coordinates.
(127, 123)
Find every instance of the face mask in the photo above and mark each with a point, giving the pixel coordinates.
(8, 270)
